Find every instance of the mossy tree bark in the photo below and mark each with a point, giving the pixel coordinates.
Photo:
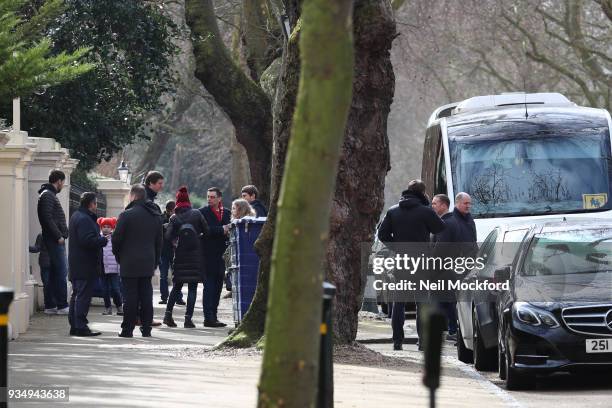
(359, 196)
(245, 103)
(290, 362)
(251, 328)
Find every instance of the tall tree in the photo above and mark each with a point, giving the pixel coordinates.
(107, 108)
(290, 363)
(26, 63)
(359, 197)
(251, 328)
(244, 102)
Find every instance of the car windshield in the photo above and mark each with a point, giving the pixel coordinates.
(512, 170)
(569, 252)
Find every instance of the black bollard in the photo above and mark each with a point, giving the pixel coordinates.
(326, 355)
(435, 322)
(6, 297)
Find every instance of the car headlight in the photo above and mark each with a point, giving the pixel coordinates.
(534, 316)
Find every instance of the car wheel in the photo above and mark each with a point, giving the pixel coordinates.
(463, 353)
(515, 380)
(484, 360)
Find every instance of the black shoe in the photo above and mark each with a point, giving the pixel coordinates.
(125, 334)
(188, 323)
(163, 302)
(397, 346)
(85, 333)
(181, 302)
(216, 323)
(72, 331)
(145, 332)
(169, 321)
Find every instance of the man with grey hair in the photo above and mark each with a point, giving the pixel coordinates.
(461, 232)
(137, 244)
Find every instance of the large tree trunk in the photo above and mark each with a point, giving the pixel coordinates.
(359, 197)
(251, 328)
(290, 363)
(245, 103)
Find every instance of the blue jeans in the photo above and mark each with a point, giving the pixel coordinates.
(213, 284)
(57, 276)
(164, 268)
(48, 293)
(79, 303)
(112, 286)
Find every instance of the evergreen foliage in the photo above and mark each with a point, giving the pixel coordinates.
(26, 63)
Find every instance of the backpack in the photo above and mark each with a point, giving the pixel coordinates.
(188, 238)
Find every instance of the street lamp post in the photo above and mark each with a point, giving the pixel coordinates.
(124, 172)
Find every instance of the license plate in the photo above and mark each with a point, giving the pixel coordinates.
(599, 346)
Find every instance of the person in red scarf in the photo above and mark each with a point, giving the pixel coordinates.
(214, 245)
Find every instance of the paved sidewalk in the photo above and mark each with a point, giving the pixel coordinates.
(174, 369)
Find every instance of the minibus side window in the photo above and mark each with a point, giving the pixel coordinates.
(441, 187)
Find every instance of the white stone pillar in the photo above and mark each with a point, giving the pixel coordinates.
(117, 195)
(15, 157)
(48, 156)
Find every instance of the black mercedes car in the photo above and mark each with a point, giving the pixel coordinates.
(557, 313)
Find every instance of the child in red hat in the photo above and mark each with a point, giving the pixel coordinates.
(111, 279)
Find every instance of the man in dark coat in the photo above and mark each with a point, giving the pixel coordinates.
(85, 262)
(250, 193)
(440, 204)
(137, 243)
(154, 183)
(460, 229)
(187, 228)
(54, 231)
(409, 221)
(214, 245)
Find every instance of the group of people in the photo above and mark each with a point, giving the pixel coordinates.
(417, 220)
(125, 252)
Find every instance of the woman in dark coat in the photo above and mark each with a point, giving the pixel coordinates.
(186, 229)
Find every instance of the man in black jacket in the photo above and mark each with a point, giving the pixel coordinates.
(85, 261)
(137, 243)
(460, 228)
(440, 204)
(214, 245)
(250, 193)
(54, 231)
(410, 221)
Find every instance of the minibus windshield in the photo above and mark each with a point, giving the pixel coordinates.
(518, 172)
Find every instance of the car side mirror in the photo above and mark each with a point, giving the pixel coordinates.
(502, 274)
